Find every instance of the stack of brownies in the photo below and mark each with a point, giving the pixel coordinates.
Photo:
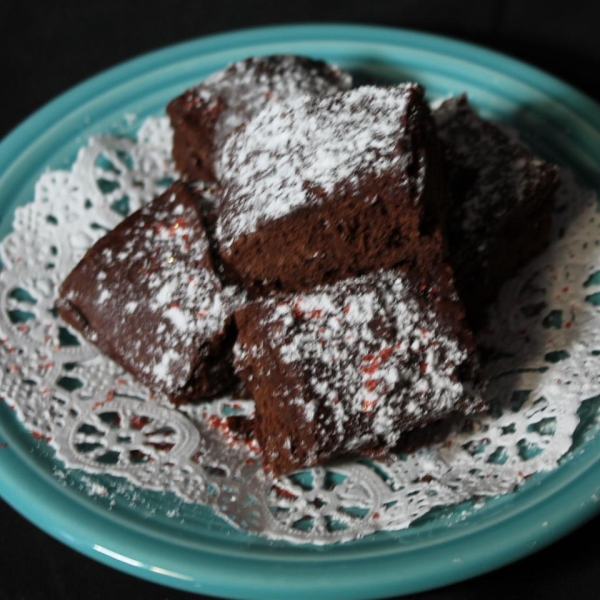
(350, 244)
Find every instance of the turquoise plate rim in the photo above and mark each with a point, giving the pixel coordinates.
(537, 515)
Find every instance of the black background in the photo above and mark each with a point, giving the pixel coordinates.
(45, 48)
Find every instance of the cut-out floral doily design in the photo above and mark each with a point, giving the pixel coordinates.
(543, 349)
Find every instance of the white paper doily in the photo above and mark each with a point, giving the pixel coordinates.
(544, 338)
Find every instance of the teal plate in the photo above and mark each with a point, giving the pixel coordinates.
(200, 552)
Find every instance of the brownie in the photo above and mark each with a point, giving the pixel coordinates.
(205, 115)
(147, 296)
(347, 367)
(318, 189)
(502, 203)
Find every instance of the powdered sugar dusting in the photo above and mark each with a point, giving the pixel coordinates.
(246, 87)
(376, 360)
(485, 458)
(295, 150)
(154, 291)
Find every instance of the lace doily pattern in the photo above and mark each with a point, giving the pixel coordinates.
(542, 349)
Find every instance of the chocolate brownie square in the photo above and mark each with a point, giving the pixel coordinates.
(147, 296)
(502, 203)
(346, 368)
(205, 115)
(318, 189)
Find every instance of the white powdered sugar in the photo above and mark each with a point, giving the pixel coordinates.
(245, 88)
(295, 151)
(374, 359)
(162, 370)
(544, 370)
(152, 299)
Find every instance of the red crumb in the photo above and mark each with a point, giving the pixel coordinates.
(370, 385)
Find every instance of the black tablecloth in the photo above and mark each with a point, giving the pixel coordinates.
(46, 47)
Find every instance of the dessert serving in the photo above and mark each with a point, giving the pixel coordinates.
(334, 212)
(320, 310)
